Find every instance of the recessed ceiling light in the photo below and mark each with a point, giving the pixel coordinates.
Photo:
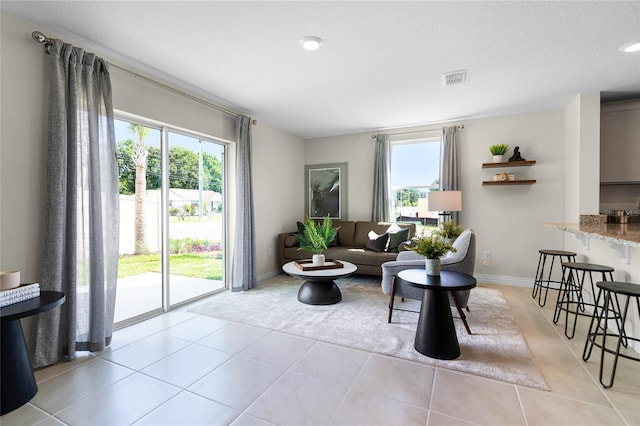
(631, 47)
(311, 42)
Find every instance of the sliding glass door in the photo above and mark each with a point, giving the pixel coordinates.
(196, 222)
(172, 228)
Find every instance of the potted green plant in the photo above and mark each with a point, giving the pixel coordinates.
(316, 237)
(498, 150)
(432, 247)
(450, 231)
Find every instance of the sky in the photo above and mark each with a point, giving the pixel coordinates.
(415, 164)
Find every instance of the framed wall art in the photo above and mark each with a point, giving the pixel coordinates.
(326, 190)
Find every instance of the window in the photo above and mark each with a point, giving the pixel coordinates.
(415, 170)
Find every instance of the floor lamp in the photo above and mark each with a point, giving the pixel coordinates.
(445, 202)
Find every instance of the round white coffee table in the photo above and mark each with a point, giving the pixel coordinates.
(320, 287)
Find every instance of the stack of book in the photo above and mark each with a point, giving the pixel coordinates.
(19, 294)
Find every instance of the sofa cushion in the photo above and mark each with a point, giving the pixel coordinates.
(290, 241)
(377, 242)
(345, 232)
(362, 232)
(395, 238)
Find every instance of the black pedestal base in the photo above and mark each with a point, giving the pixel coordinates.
(18, 381)
(319, 293)
(436, 334)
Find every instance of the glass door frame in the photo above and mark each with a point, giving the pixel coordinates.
(165, 129)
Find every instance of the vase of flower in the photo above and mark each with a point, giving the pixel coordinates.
(432, 266)
(432, 247)
(317, 259)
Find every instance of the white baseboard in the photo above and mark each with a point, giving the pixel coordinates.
(504, 280)
(268, 275)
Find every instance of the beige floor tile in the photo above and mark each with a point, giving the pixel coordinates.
(401, 380)
(296, 399)
(437, 419)
(63, 366)
(238, 382)
(336, 364)
(51, 421)
(167, 320)
(146, 351)
(247, 420)
(631, 419)
(26, 415)
(187, 408)
(475, 399)
(120, 404)
(188, 365)
(196, 328)
(233, 338)
(543, 408)
(278, 349)
(128, 335)
(361, 408)
(78, 383)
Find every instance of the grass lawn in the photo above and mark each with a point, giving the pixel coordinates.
(206, 265)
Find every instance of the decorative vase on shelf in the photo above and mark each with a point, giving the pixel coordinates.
(498, 158)
(318, 259)
(432, 266)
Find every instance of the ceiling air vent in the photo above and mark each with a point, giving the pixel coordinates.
(455, 77)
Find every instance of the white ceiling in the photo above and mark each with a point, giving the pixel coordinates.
(381, 62)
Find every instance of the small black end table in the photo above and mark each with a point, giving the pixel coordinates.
(18, 381)
(436, 334)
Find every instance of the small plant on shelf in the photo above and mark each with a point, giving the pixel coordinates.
(499, 149)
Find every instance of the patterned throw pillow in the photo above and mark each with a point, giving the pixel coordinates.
(377, 242)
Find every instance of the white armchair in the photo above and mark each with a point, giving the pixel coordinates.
(463, 260)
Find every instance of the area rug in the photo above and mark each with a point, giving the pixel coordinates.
(496, 348)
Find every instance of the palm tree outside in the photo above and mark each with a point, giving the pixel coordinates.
(140, 158)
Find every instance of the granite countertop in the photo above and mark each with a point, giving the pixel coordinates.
(623, 234)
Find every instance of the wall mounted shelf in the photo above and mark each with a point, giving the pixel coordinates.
(508, 182)
(508, 164)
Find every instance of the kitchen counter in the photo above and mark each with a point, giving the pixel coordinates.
(621, 234)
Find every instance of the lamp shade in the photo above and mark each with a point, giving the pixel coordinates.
(445, 201)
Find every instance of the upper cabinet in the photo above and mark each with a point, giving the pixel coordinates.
(620, 142)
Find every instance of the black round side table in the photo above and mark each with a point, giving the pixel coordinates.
(436, 334)
(18, 381)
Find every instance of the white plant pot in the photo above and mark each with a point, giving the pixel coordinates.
(432, 266)
(498, 158)
(318, 259)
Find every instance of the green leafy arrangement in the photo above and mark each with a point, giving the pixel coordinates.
(449, 230)
(499, 149)
(433, 246)
(317, 235)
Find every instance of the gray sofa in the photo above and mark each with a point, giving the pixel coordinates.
(351, 246)
(463, 260)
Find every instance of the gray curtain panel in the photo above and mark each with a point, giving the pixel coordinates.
(449, 163)
(243, 274)
(381, 210)
(82, 207)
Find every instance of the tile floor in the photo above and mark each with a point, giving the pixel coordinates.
(186, 369)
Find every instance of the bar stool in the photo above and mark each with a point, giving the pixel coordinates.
(570, 293)
(598, 325)
(540, 282)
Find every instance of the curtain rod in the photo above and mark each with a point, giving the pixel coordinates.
(42, 39)
(374, 135)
